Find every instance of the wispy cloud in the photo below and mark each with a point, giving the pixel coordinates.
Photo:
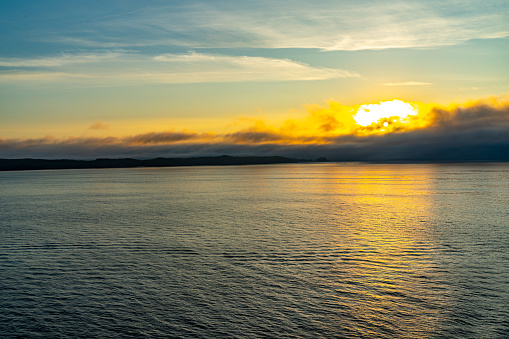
(325, 25)
(133, 68)
(245, 68)
(474, 88)
(59, 60)
(38, 77)
(408, 83)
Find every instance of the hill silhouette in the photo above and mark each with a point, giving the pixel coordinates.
(224, 160)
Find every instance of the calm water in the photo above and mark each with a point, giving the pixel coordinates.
(282, 251)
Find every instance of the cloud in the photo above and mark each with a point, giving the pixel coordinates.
(253, 137)
(325, 25)
(123, 68)
(17, 76)
(408, 83)
(99, 126)
(492, 113)
(56, 61)
(469, 88)
(198, 67)
(475, 131)
(155, 138)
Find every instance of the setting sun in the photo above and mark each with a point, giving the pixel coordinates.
(396, 110)
(221, 168)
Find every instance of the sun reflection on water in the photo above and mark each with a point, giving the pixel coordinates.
(297, 250)
(385, 246)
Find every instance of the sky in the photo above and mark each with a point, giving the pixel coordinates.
(349, 80)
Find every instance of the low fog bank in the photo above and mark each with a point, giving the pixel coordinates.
(476, 133)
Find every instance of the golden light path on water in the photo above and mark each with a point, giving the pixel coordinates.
(370, 238)
(386, 245)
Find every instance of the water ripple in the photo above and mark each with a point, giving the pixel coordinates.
(292, 251)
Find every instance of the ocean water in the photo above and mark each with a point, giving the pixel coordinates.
(268, 251)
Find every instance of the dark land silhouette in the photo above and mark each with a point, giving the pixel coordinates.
(225, 160)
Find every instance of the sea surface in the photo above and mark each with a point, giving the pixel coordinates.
(267, 251)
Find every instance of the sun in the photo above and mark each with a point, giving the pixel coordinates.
(396, 110)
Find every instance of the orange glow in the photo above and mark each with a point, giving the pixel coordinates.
(323, 124)
(319, 125)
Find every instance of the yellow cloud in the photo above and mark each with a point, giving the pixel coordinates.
(323, 124)
(332, 127)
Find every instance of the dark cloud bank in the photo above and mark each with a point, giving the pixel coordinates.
(476, 133)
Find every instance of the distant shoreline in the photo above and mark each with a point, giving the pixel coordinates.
(224, 160)
(30, 164)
